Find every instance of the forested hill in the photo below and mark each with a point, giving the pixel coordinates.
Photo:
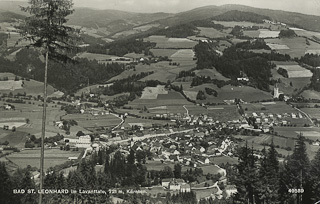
(236, 15)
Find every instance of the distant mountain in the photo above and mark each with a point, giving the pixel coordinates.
(7, 16)
(116, 21)
(113, 20)
(308, 22)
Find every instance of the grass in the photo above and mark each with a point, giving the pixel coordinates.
(90, 121)
(32, 157)
(296, 71)
(297, 46)
(310, 94)
(164, 42)
(99, 57)
(229, 92)
(268, 34)
(211, 33)
(212, 73)
(163, 52)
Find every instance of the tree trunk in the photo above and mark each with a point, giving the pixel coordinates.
(44, 114)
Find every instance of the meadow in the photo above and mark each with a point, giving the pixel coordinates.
(295, 47)
(211, 33)
(164, 42)
(102, 58)
(296, 71)
(32, 157)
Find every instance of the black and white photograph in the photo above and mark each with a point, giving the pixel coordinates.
(160, 102)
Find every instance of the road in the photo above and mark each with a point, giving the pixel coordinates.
(149, 136)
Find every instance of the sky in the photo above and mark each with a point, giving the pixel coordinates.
(173, 6)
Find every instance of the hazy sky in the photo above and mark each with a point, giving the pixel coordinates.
(172, 6)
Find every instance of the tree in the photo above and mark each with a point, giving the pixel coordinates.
(177, 171)
(45, 28)
(315, 177)
(296, 174)
(5, 185)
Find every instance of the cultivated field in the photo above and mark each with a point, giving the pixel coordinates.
(164, 42)
(296, 71)
(268, 34)
(295, 47)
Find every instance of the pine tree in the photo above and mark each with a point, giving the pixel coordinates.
(5, 185)
(247, 174)
(315, 177)
(45, 28)
(296, 173)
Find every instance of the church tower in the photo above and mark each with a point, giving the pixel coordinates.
(276, 91)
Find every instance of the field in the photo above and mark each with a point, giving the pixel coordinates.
(285, 84)
(306, 33)
(242, 24)
(170, 99)
(31, 87)
(211, 33)
(212, 73)
(153, 92)
(183, 54)
(91, 121)
(276, 108)
(220, 113)
(164, 42)
(102, 57)
(146, 27)
(146, 123)
(32, 157)
(163, 52)
(296, 71)
(14, 38)
(229, 92)
(295, 47)
(312, 112)
(10, 85)
(34, 114)
(311, 94)
(268, 34)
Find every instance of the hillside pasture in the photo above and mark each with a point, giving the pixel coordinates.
(163, 52)
(102, 57)
(285, 84)
(153, 92)
(211, 33)
(241, 24)
(251, 33)
(183, 54)
(296, 71)
(212, 73)
(229, 92)
(295, 47)
(310, 94)
(266, 108)
(268, 34)
(144, 28)
(10, 85)
(164, 42)
(171, 99)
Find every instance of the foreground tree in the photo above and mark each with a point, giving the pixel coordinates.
(45, 29)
